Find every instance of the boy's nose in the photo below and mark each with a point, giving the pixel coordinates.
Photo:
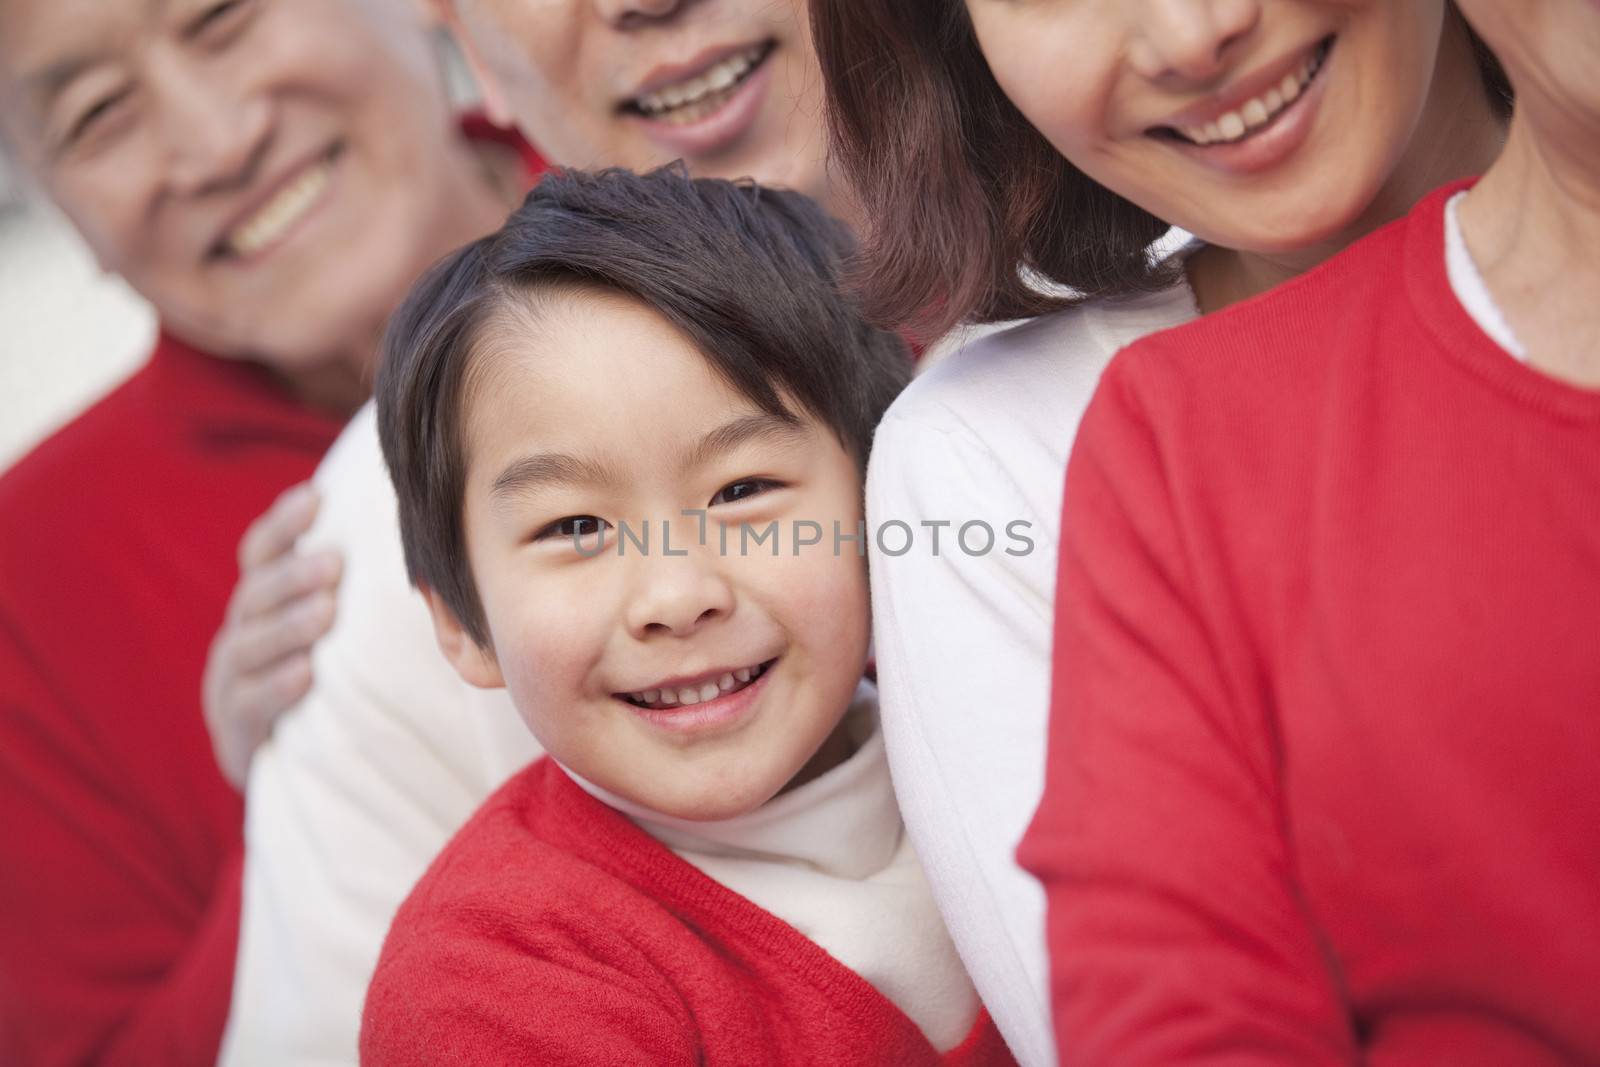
(677, 595)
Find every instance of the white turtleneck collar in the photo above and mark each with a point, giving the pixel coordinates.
(831, 859)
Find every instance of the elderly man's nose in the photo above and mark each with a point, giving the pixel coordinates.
(216, 139)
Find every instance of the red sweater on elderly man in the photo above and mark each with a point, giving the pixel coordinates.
(121, 844)
(552, 929)
(1324, 765)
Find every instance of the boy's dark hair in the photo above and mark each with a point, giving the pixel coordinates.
(962, 192)
(750, 275)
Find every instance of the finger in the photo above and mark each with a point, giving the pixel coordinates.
(276, 531)
(259, 703)
(271, 587)
(258, 644)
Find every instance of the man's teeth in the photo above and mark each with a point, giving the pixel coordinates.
(691, 100)
(275, 217)
(686, 696)
(1257, 111)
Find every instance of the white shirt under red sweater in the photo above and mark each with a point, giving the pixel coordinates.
(554, 930)
(1322, 780)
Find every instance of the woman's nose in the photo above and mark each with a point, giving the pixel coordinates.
(621, 12)
(1188, 40)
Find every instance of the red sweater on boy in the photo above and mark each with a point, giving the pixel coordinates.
(554, 930)
(1324, 769)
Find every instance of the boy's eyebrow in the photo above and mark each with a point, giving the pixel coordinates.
(550, 468)
(730, 435)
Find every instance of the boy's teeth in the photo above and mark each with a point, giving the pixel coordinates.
(281, 212)
(1257, 111)
(689, 695)
(725, 75)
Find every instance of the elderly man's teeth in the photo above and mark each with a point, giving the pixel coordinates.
(694, 96)
(1257, 111)
(275, 217)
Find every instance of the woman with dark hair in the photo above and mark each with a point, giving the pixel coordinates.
(1026, 161)
(1339, 805)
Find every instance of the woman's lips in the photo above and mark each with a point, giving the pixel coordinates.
(1265, 145)
(732, 111)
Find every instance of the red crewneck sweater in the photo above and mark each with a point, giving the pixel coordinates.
(554, 930)
(1324, 769)
(120, 841)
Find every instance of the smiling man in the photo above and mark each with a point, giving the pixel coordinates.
(732, 87)
(367, 778)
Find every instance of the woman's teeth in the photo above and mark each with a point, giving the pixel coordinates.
(277, 215)
(692, 100)
(1237, 124)
(686, 696)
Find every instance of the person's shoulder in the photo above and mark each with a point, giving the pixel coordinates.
(513, 864)
(91, 467)
(1292, 329)
(95, 440)
(527, 886)
(990, 426)
(1019, 375)
(358, 508)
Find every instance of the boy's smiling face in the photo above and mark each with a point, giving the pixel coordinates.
(593, 407)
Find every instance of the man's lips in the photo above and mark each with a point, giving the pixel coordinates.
(270, 212)
(668, 78)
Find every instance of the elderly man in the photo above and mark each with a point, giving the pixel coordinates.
(236, 162)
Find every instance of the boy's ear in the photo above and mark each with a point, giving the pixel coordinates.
(491, 97)
(476, 665)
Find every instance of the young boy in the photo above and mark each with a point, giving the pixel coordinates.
(627, 435)
(1323, 770)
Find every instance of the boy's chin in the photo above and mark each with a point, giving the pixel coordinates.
(716, 805)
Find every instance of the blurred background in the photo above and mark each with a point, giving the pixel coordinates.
(68, 333)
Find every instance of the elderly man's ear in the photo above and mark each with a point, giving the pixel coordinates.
(445, 13)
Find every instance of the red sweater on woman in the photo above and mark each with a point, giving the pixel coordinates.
(554, 930)
(1324, 769)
